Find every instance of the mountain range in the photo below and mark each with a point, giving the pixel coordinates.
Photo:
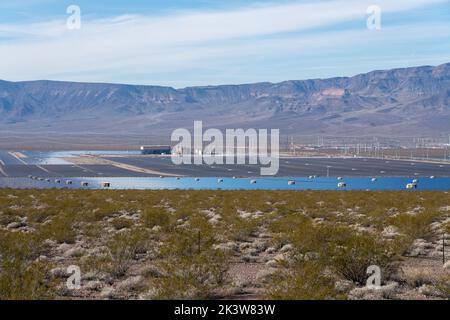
(399, 102)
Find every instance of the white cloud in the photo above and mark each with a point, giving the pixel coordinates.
(139, 44)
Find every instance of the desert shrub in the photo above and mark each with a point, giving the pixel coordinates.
(19, 281)
(297, 230)
(156, 217)
(100, 213)
(121, 223)
(341, 248)
(38, 215)
(101, 262)
(443, 286)
(302, 280)
(414, 226)
(59, 229)
(446, 228)
(22, 276)
(417, 276)
(242, 228)
(124, 247)
(92, 230)
(351, 254)
(7, 218)
(190, 269)
(192, 277)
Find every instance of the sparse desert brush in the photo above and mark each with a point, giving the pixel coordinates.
(155, 216)
(39, 215)
(350, 254)
(191, 268)
(19, 246)
(184, 212)
(254, 202)
(283, 210)
(188, 241)
(194, 277)
(99, 213)
(330, 232)
(418, 276)
(293, 228)
(242, 228)
(93, 231)
(124, 247)
(122, 223)
(341, 248)
(301, 280)
(20, 281)
(443, 285)
(446, 228)
(22, 276)
(59, 229)
(99, 263)
(414, 225)
(7, 216)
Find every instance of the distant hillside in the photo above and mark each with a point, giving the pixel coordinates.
(408, 102)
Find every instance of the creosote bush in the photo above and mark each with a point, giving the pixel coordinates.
(156, 217)
(124, 247)
(121, 223)
(59, 229)
(191, 268)
(302, 280)
(22, 275)
(351, 255)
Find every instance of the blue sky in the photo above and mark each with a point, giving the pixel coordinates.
(203, 42)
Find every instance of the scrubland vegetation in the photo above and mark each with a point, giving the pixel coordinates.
(223, 244)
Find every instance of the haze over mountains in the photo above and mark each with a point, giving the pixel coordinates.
(403, 102)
